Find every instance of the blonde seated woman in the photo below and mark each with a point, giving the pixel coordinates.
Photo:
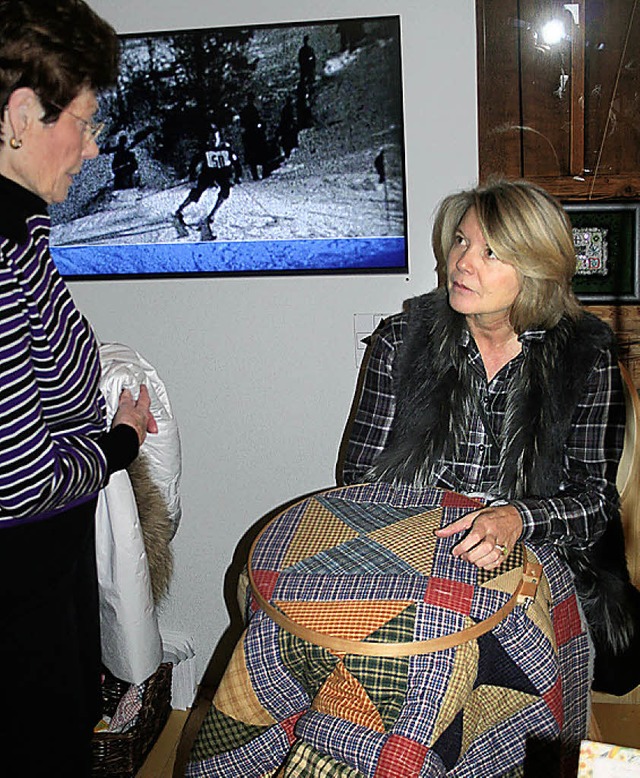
(499, 384)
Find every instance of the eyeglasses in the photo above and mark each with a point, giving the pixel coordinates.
(90, 129)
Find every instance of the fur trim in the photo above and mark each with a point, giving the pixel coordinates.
(156, 525)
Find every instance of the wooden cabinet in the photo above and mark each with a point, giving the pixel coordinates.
(565, 114)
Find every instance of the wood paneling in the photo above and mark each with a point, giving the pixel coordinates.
(565, 115)
(624, 320)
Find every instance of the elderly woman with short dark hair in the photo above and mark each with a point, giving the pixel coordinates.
(55, 450)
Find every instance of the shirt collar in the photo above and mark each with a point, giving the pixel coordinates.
(528, 336)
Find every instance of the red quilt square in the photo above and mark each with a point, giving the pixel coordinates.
(553, 698)
(566, 620)
(455, 500)
(289, 725)
(453, 595)
(400, 758)
(266, 581)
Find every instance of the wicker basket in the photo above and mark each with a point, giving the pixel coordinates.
(122, 755)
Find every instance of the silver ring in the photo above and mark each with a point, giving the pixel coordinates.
(502, 549)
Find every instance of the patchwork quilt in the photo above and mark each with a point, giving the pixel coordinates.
(362, 563)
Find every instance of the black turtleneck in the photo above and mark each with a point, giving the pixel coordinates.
(17, 204)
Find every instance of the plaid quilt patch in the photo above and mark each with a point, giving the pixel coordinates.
(400, 758)
(309, 665)
(363, 562)
(318, 529)
(385, 681)
(351, 619)
(220, 733)
(344, 696)
(236, 692)
(304, 762)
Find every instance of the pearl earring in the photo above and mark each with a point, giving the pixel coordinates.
(15, 143)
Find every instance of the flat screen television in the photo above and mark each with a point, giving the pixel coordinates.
(265, 149)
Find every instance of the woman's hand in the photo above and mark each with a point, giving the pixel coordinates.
(493, 532)
(136, 413)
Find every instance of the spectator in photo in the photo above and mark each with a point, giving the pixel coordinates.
(307, 64)
(124, 165)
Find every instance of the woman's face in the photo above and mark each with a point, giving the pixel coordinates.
(479, 284)
(52, 154)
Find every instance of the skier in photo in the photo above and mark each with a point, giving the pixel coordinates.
(217, 166)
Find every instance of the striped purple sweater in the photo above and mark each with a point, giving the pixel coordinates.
(52, 414)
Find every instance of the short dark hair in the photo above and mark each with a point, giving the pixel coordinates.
(525, 227)
(57, 48)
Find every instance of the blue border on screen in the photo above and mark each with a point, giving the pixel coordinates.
(233, 258)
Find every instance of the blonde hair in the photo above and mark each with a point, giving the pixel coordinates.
(527, 228)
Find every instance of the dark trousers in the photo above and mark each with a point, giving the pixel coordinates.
(49, 646)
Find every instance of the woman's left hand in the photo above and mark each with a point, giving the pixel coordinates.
(493, 533)
(136, 413)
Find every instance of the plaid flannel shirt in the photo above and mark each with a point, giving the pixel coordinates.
(578, 514)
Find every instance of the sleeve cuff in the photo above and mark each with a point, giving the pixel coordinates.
(535, 524)
(120, 446)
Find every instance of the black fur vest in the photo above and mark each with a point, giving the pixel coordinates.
(434, 394)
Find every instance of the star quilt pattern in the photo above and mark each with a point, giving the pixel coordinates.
(363, 563)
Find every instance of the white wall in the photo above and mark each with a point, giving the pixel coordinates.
(261, 371)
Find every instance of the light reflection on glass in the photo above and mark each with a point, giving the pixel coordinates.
(553, 32)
